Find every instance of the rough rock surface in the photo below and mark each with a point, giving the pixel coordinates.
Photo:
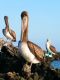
(13, 67)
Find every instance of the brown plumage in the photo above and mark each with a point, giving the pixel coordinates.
(36, 50)
(7, 32)
(30, 51)
(13, 34)
(53, 49)
(50, 48)
(25, 35)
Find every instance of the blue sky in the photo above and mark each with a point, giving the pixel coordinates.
(44, 19)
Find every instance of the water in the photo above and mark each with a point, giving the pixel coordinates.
(55, 64)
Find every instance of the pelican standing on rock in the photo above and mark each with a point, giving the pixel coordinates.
(7, 32)
(31, 52)
(51, 50)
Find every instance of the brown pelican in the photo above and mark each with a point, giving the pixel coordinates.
(7, 32)
(51, 50)
(31, 52)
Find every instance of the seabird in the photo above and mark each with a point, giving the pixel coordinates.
(7, 32)
(51, 50)
(31, 52)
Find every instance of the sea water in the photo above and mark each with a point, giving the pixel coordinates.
(55, 64)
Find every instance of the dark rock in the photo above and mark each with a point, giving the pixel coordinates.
(13, 51)
(2, 79)
(51, 75)
(11, 61)
(30, 78)
(22, 78)
(36, 76)
(12, 76)
(26, 70)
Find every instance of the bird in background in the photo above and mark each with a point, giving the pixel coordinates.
(51, 50)
(7, 32)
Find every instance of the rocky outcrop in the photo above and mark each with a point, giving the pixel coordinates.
(14, 67)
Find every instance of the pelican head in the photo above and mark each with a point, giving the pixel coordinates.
(5, 17)
(24, 17)
(24, 13)
(6, 21)
(24, 32)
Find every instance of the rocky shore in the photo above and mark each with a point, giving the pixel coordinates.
(13, 66)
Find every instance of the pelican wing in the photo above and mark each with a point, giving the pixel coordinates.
(13, 34)
(53, 49)
(36, 50)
